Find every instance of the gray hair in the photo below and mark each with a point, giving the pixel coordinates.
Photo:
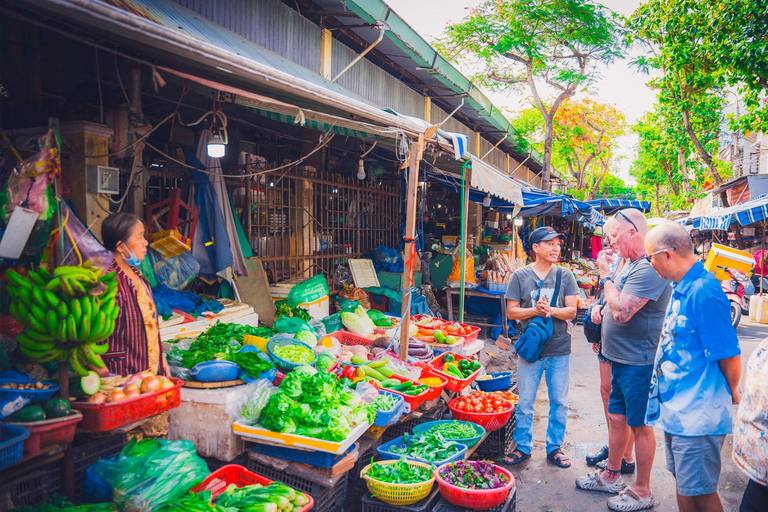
(673, 235)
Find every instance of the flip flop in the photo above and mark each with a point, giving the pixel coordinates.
(552, 458)
(516, 459)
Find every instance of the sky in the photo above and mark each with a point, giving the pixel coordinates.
(620, 84)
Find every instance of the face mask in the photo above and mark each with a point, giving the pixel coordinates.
(132, 260)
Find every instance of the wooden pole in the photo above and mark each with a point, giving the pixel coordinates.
(762, 257)
(466, 175)
(414, 159)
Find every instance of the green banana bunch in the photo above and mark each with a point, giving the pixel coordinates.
(67, 314)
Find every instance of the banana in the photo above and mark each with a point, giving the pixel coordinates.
(84, 327)
(51, 298)
(67, 269)
(75, 309)
(99, 348)
(61, 331)
(62, 311)
(13, 292)
(14, 310)
(24, 313)
(71, 329)
(42, 357)
(39, 315)
(108, 278)
(44, 273)
(37, 324)
(35, 278)
(52, 321)
(54, 284)
(107, 307)
(114, 314)
(66, 288)
(76, 364)
(43, 337)
(94, 312)
(34, 345)
(77, 286)
(18, 280)
(91, 357)
(39, 298)
(25, 295)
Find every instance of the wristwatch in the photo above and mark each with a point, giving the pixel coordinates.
(605, 280)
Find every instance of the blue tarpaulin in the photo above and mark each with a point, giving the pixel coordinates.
(168, 299)
(745, 213)
(609, 206)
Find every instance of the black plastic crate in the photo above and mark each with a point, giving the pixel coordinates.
(356, 489)
(87, 452)
(507, 506)
(214, 463)
(498, 442)
(371, 504)
(364, 457)
(406, 427)
(41, 485)
(327, 499)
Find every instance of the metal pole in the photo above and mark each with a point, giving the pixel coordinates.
(464, 199)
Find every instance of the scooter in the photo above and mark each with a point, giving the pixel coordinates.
(738, 289)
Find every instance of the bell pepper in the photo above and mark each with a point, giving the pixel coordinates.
(475, 365)
(448, 358)
(348, 372)
(464, 365)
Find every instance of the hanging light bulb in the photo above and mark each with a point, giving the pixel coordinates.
(487, 201)
(216, 146)
(519, 221)
(509, 216)
(361, 169)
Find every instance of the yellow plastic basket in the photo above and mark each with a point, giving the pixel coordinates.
(398, 494)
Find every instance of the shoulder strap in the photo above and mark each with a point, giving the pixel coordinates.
(559, 272)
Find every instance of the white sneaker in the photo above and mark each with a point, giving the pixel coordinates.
(594, 482)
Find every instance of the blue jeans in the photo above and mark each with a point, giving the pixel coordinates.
(557, 374)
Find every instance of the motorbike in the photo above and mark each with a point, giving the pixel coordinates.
(738, 289)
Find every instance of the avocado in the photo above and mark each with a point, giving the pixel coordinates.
(56, 408)
(28, 414)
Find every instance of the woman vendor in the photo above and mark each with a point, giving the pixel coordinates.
(135, 345)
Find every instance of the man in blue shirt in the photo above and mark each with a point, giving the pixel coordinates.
(697, 370)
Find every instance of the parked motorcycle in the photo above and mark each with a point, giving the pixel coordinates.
(738, 289)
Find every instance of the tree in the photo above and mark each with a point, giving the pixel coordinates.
(584, 137)
(544, 45)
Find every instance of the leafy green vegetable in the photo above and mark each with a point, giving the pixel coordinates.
(454, 430)
(429, 446)
(356, 325)
(399, 473)
(307, 337)
(299, 354)
(478, 474)
(59, 503)
(191, 502)
(257, 498)
(252, 363)
(385, 402)
(283, 309)
(220, 342)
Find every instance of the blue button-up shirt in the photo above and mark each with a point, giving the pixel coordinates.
(689, 393)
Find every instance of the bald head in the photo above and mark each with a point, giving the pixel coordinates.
(670, 235)
(632, 218)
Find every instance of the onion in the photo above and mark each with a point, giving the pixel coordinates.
(98, 398)
(131, 390)
(115, 396)
(151, 384)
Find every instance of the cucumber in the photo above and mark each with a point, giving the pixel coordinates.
(358, 360)
(403, 386)
(56, 408)
(370, 372)
(386, 371)
(27, 415)
(390, 382)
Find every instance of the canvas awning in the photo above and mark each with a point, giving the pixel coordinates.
(745, 214)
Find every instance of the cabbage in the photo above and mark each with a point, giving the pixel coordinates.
(362, 313)
(307, 337)
(356, 325)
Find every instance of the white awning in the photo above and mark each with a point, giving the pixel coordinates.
(489, 179)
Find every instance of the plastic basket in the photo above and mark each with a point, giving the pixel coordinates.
(383, 418)
(34, 395)
(411, 402)
(398, 494)
(498, 442)
(469, 441)
(86, 453)
(385, 454)
(373, 504)
(468, 338)
(106, 417)
(218, 481)
(38, 485)
(510, 505)
(454, 383)
(500, 381)
(489, 421)
(269, 374)
(434, 391)
(11, 444)
(475, 499)
(347, 338)
(282, 341)
(49, 432)
(313, 458)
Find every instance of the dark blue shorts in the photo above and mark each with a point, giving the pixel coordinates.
(630, 387)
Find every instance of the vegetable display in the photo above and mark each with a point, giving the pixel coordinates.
(358, 322)
(252, 363)
(399, 473)
(67, 314)
(406, 388)
(475, 475)
(315, 405)
(275, 497)
(191, 502)
(59, 503)
(384, 402)
(222, 331)
(460, 369)
(298, 354)
(428, 446)
(283, 309)
(454, 430)
(379, 319)
(488, 403)
(37, 385)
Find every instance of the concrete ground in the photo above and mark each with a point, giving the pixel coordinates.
(542, 487)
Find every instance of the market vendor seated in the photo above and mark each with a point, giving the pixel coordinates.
(135, 345)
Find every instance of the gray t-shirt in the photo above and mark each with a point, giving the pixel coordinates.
(634, 342)
(524, 288)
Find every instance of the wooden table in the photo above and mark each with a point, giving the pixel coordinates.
(449, 292)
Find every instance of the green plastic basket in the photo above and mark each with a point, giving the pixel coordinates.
(469, 442)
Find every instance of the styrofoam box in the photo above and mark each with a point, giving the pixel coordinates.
(317, 309)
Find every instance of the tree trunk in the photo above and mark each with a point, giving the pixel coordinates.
(684, 170)
(705, 156)
(545, 176)
(668, 173)
(658, 206)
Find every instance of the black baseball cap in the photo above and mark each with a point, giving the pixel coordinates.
(544, 234)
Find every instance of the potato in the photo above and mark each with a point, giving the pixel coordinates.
(39, 385)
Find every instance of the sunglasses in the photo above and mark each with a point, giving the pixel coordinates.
(628, 220)
(649, 256)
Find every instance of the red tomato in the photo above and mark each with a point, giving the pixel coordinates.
(460, 406)
(489, 410)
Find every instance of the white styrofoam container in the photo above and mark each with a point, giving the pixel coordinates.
(202, 416)
(317, 309)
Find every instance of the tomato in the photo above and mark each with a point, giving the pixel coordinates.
(497, 403)
(489, 410)
(460, 406)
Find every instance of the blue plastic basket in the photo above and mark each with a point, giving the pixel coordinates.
(269, 374)
(385, 454)
(313, 458)
(215, 371)
(34, 395)
(469, 441)
(11, 444)
(384, 418)
(282, 341)
(501, 381)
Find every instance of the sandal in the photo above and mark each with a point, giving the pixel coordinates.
(561, 462)
(597, 456)
(513, 459)
(629, 501)
(627, 468)
(594, 482)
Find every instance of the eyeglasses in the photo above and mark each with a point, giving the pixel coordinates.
(628, 220)
(649, 256)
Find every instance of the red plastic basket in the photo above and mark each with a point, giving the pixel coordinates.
(347, 338)
(474, 499)
(411, 402)
(106, 417)
(489, 421)
(49, 432)
(434, 391)
(218, 481)
(454, 384)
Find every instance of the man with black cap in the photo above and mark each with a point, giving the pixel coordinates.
(529, 295)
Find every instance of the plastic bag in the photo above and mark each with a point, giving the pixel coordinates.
(333, 323)
(176, 272)
(352, 293)
(310, 290)
(253, 398)
(79, 243)
(318, 326)
(410, 371)
(150, 473)
(347, 305)
(454, 278)
(291, 324)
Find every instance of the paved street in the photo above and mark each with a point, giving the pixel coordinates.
(543, 487)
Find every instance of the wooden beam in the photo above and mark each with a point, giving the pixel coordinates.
(428, 109)
(136, 194)
(477, 144)
(326, 40)
(410, 233)
(506, 162)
